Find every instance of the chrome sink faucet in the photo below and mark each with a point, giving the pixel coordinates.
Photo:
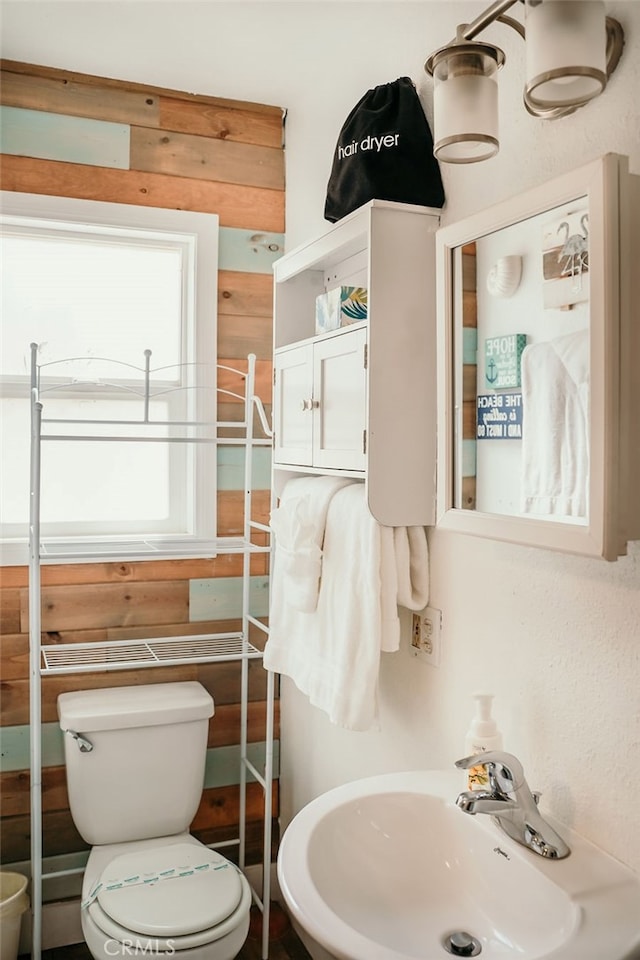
(511, 803)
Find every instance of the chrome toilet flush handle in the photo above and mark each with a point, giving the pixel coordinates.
(84, 745)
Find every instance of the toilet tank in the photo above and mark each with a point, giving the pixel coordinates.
(143, 774)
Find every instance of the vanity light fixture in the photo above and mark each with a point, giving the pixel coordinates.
(572, 48)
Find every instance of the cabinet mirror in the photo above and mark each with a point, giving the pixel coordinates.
(535, 366)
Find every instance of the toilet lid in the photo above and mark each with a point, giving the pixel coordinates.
(171, 890)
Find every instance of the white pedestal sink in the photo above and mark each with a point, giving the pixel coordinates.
(388, 868)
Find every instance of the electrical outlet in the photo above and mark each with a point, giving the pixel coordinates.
(426, 635)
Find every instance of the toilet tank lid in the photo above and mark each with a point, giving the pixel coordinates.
(147, 705)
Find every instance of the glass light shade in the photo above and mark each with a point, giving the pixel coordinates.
(465, 102)
(566, 52)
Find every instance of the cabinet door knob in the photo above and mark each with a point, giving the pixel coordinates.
(315, 404)
(306, 405)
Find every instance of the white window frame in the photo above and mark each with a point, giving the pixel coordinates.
(198, 232)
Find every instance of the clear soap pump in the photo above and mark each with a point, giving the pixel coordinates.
(483, 735)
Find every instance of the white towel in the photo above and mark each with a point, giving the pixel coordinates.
(298, 525)
(555, 426)
(404, 578)
(333, 654)
(412, 561)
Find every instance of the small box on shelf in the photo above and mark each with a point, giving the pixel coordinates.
(340, 307)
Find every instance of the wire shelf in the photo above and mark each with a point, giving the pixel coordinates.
(135, 654)
(52, 551)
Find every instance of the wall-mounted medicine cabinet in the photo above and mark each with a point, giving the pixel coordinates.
(539, 366)
(360, 400)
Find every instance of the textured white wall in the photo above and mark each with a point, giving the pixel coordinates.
(557, 638)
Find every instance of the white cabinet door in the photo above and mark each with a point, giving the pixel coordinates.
(339, 400)
(560, 482)
(320, 403)
(292, 407)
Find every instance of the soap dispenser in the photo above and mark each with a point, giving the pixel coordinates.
(483, 735)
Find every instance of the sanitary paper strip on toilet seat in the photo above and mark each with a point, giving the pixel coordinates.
(137, 880)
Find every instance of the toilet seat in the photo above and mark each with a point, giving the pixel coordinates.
(177, 895)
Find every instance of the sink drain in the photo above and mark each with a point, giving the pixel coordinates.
(462, 944)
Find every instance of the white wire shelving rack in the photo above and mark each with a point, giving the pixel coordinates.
(114, 655)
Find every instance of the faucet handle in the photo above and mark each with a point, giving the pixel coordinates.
(505, 771)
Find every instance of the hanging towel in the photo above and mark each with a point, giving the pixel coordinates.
(298, 525)
(555, 426)
(333, 654)
(404, 578)
(412, 561)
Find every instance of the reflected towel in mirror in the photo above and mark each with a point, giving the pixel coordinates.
(555, 426)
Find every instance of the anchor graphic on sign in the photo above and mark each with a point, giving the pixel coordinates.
(491, 373)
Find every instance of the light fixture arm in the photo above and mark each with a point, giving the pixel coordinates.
(514, 24)
(495, 12)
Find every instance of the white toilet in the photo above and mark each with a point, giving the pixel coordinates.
(135, 759)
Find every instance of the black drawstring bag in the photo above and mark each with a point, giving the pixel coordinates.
(384, 152)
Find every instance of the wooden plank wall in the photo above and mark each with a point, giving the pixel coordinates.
(74, 135)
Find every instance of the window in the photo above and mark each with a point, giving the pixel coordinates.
(100, 283)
